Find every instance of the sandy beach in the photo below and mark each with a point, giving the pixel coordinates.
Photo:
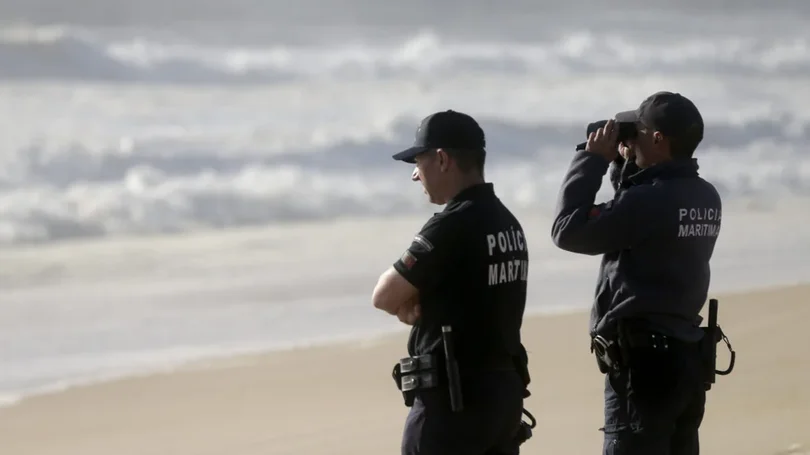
(341, 400)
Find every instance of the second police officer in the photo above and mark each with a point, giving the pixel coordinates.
(656, 237)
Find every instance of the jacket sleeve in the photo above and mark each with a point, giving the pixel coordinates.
(580, 226)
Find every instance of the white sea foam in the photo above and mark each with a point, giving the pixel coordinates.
(129, 160)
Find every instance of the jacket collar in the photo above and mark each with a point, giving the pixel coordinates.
(473, 192)
(668, 170)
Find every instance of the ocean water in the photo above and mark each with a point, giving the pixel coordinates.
(211, 178)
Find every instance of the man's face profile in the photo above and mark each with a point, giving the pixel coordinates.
(428, 171)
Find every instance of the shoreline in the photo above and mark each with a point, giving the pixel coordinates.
(212, 356)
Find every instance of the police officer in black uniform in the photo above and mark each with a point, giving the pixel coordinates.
(657, 236)
(464, 271)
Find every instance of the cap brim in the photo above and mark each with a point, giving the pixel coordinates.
(626, 117)
(409, 155)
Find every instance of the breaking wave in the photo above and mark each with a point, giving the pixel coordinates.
(171, 186)
(64, 53)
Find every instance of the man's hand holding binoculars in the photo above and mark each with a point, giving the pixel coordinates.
(603, 141)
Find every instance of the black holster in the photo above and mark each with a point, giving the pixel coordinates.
(611, 352)
(713, 334)
(608, 353)
(522, 366)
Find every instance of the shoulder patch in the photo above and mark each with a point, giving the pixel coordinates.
(408, 259)
(597, 210)
(424, 242)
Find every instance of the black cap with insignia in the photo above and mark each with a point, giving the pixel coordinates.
(447, 129)
(670, 113)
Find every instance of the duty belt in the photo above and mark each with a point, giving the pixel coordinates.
(614, 353)
(430, 371)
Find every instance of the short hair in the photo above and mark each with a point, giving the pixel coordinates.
(684, 145)
(468, 160)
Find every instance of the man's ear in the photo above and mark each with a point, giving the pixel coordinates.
(444, 160)
(657, 137)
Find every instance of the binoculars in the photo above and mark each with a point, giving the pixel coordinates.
(627, 131)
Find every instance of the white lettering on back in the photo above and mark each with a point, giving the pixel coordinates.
(507, 268)
(699, 221)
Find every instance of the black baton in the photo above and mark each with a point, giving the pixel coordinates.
(712, 334)
(453, 380)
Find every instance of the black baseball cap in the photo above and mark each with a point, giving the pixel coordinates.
(448, 129)
(670, 113)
